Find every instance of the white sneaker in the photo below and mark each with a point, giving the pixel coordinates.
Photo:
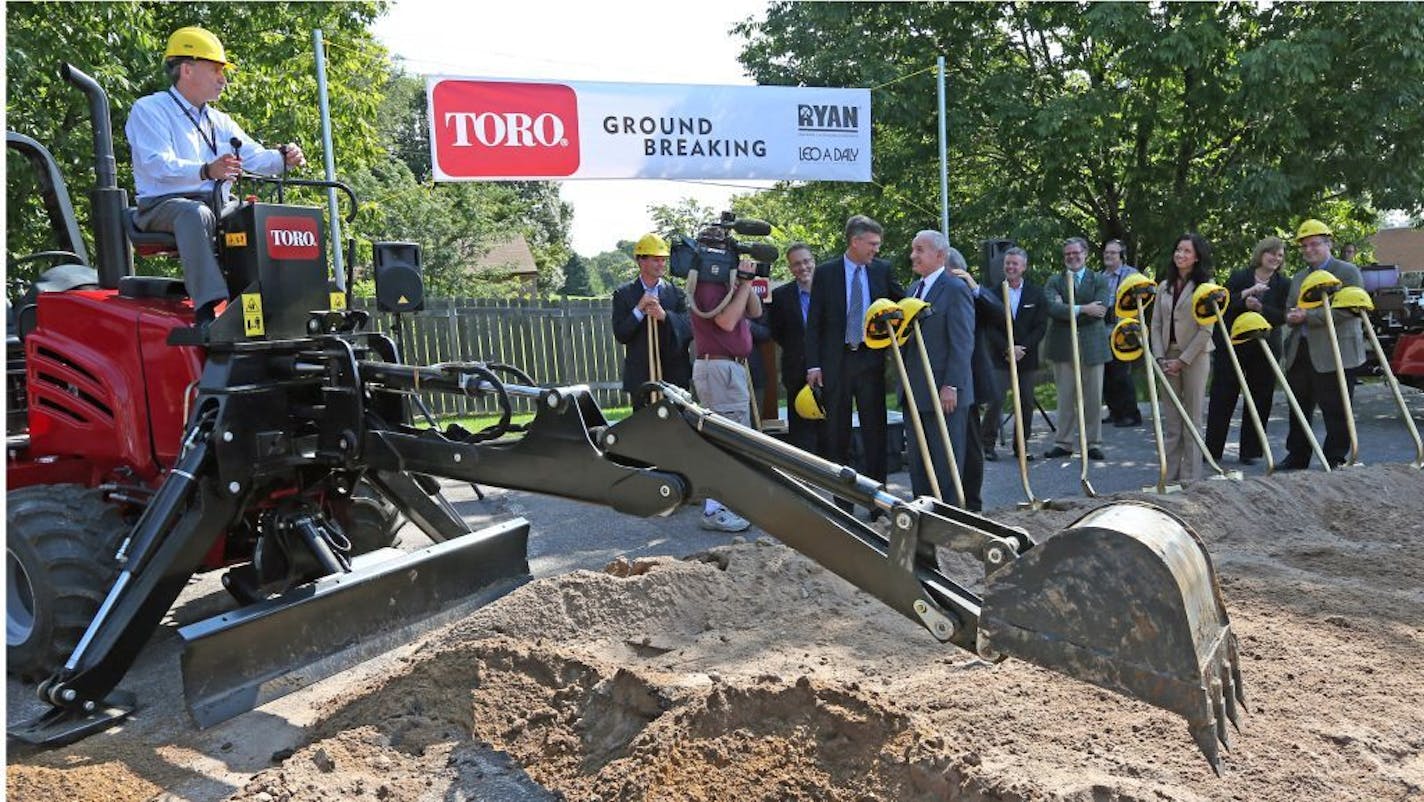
(724, 520)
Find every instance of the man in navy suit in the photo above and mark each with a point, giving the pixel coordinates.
(837, 359)
(649, 297)
(790, 304)
(948, 336)
(1029, 309)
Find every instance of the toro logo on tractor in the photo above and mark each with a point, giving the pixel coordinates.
(500, 128)
(292, 238)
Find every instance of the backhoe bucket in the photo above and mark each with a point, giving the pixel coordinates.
(237, 661)
(1125, 598)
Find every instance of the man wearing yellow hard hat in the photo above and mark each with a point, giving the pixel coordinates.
(181, 148)
(1309, 360)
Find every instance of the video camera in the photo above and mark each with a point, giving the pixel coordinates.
(715, 253)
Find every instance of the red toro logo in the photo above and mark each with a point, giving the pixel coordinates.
(494, 129)
(292, 238)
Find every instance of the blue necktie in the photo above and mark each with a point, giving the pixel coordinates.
(855, 310)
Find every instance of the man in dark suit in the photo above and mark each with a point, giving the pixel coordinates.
(1029, 309)
(837, 359)
(790, 304)
(948, 337)
(649, 297)
(988, 317)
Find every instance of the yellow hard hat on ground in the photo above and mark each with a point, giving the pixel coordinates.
(1312, 228)
(1127, 339)
(1352, 298)
(881, 320)
(808, 403)
(650, 245)
(1316, 286)
(1202, 302)
(1249, 326)
(1133, 287)
(195, 42)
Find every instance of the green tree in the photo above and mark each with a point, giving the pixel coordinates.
(577, 279)
(682, 218)
(1114, 120)
(612, 268)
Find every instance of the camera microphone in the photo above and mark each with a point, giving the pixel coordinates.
(762, 251)
(752, 228)
(236, 143)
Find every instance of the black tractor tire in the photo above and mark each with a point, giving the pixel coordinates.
(60, 543)
(370, 521)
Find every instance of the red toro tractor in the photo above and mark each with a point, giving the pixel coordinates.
(277, 444)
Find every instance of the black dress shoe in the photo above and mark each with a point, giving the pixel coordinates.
(1126, 423)
(1247, 460)
(991, 455)
(1095, 453)
(1056, 452)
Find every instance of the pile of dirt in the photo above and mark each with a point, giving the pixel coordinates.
(752, 673)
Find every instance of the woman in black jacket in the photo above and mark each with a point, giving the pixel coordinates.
(1257, 288)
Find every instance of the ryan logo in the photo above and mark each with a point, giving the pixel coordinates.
(292, 238)
(499, 129)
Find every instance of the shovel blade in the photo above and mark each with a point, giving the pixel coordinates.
(1125, 598)
(237, 661)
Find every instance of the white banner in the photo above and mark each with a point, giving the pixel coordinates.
(502, 130)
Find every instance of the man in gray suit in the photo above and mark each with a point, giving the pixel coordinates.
(1308, 361)
(948, 334)
(1091, 304)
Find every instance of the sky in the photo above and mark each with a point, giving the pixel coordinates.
(621, 40)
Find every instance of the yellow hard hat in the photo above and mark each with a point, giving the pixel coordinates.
(650, 245)
(1312, 228)
(910, 308)
(881, 321)
(195, 42)
(1316, 286)
(1249, 326)
(1133, 287)
(808, 403)
(1202, 300)
(1127, 339)
(1352, 298)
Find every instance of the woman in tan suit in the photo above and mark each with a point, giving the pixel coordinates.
(1181, 346)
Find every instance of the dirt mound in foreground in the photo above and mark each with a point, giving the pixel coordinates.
(751, 673)
(755, 674)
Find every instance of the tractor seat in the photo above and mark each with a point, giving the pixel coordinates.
(148, 243)
(152, 287)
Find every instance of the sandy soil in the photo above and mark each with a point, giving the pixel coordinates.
(751, 673)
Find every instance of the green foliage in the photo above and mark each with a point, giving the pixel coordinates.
(1111, 120)
(609, 269)
(577, 280)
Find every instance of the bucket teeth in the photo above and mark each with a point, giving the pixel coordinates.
(1205, 736)
(1233, 690)
(1218, 711)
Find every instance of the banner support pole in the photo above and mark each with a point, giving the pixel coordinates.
(943, 157)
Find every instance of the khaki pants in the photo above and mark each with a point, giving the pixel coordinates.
(721, 386)
(1067, 435)
(1184, 459)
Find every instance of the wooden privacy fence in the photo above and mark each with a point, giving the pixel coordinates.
(555, 342)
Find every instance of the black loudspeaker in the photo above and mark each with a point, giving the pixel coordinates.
(399, 286)
(993, 253)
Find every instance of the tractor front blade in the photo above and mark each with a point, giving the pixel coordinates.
(235, 662)
(1125, 598)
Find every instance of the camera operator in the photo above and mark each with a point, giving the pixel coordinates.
(721, 340)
